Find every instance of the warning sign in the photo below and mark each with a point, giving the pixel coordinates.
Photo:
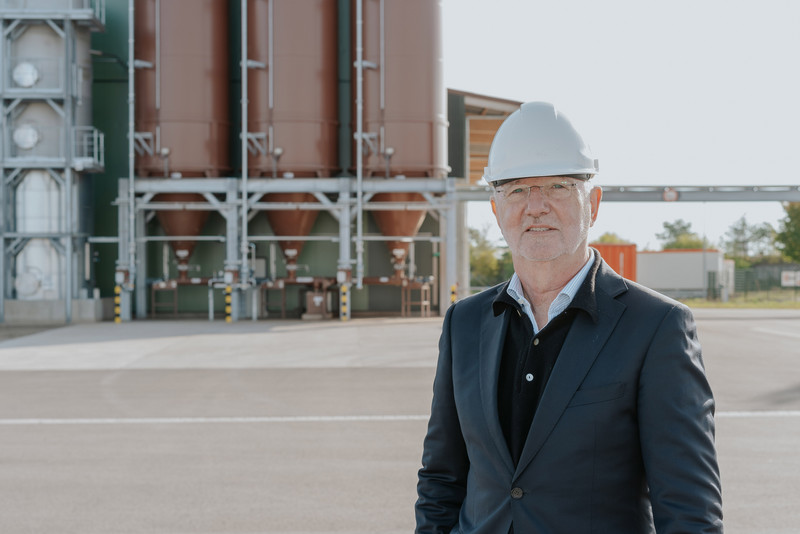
(790, 278)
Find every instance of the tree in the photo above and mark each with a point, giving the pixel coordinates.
(789, 235)
(745, 243)
(610, 237)
(679, 235)
(489, 264)
(673, 230)
(482, 258)
(735, 241)
(763, 240)
(505, 265)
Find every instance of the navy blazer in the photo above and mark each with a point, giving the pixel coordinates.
(622, 441)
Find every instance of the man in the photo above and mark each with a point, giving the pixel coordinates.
(567, 400)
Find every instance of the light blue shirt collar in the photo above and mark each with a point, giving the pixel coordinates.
(558, 305)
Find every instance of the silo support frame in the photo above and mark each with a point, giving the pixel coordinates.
(463, 281)
(122, 287)
(335, 195)
(144, 191)
(140, 271)
(453, 230)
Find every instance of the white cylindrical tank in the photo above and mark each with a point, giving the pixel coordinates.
(38, 203)
(38, 209)
(37, 132)
(38, 268)
(41, 60)
(37, 59)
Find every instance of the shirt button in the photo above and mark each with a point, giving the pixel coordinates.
(535, 341)
(516, 493)
(529, 377)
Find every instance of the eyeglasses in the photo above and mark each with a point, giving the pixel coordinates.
(514, 194)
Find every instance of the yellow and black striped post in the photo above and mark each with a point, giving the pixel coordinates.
(117, 303)
(344, 302)
(228, 303)
(453, 293)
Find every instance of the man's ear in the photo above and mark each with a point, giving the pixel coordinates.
(595, 196)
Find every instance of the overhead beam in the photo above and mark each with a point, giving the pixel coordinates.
(657, 193)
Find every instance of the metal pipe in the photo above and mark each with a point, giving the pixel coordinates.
(344, 48)
(69, 118)
(405, 238)
(244, 271)
(211, 283)
(412, 261)
(251, 267)
(43, 235)
(271, 59)
(345, 241)
(383, 57)
(292, 206)
(158, 56)
(131, 267)
(165, 260)
(139, 285)
(382, 76)
(254, 303)
(154, 186)
(270, 144)
(273, 265)
(451, 243)
(274, 152)
(359, 142)
(210, 301)
(320, 238)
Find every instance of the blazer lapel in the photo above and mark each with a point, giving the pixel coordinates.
(580, 349)
(493, 330)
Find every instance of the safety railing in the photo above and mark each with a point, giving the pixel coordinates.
(89, 149)
(32, 8)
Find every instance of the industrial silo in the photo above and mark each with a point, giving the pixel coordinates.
(182, 116)
(48, 142)
(293, 103)
(404, 106)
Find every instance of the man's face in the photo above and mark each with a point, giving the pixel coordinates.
(546, 223)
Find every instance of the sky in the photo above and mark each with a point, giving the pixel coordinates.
(685, 92)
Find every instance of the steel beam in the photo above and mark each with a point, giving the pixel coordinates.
(658, 193)
(711, 193)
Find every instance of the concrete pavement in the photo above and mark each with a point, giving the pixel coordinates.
(309, 427)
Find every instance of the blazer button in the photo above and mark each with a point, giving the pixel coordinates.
(517, 493)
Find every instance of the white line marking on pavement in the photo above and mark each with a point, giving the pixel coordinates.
(774, 332)
(292, 419)
(773, 413)
(213, 420)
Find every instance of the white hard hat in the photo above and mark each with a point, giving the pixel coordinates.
(538, 140)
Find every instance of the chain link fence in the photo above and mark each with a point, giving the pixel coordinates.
(768, 283)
